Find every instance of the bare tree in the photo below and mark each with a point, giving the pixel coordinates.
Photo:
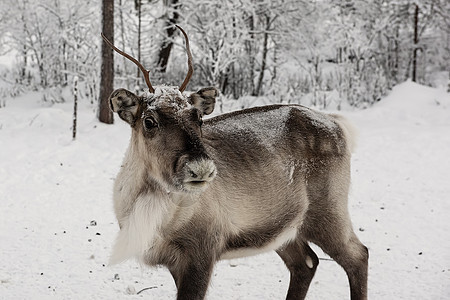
(75, 105)
(416, 41)
(166, 47)
(107, 72)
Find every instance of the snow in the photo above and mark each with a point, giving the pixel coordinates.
(52, 188)
(167, 96)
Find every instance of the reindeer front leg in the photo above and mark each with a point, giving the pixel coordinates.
(192, 277)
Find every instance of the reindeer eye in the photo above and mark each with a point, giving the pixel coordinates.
(150, 123)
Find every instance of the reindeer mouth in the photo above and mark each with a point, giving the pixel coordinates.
(195, 185)
(197, 182)
(198, 174)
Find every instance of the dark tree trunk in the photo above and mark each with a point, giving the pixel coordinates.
(416, 41)
(250, 49)
(75, 104)
(65, 79)
(395, 71)
(23, 73)
(107, 72)
(448, 85)
(122, 35)
(166, 47)
(257, 92)
(139, 9)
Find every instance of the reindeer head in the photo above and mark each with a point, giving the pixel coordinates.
(167, 133)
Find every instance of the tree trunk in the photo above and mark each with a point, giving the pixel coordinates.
(107, 72)
(416, 41)
(75, 104)
(65, 79)
(139, 8)
(249, 49)
(396, 70)
(263, 60)
(166, 48)
(275, 61)
(122, 33)
(448, 85)
(23, 70)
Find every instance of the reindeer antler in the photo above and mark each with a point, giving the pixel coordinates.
(190, 67)
(144, 71)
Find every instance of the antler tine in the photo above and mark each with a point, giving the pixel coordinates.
(141, 67)
(190, 67)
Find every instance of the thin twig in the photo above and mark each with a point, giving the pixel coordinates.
(328, 259)
(149, 288)
(32, 120)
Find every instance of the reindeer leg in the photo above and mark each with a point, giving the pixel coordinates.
(192, 279)
(302, 262)
(353, 256)
(344, 247)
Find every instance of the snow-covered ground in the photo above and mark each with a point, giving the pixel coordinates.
(57, 224)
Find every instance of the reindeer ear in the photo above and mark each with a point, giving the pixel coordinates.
(125, 104)
(204, 100)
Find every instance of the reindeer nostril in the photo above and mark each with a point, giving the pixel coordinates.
(211, 174)
(193, 175)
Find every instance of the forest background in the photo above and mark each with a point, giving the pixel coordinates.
(323, 53)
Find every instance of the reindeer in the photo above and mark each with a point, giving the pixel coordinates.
(191, 192)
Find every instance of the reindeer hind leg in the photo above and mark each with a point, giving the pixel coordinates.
(302, 263)
(353, 257)
(340, 242)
